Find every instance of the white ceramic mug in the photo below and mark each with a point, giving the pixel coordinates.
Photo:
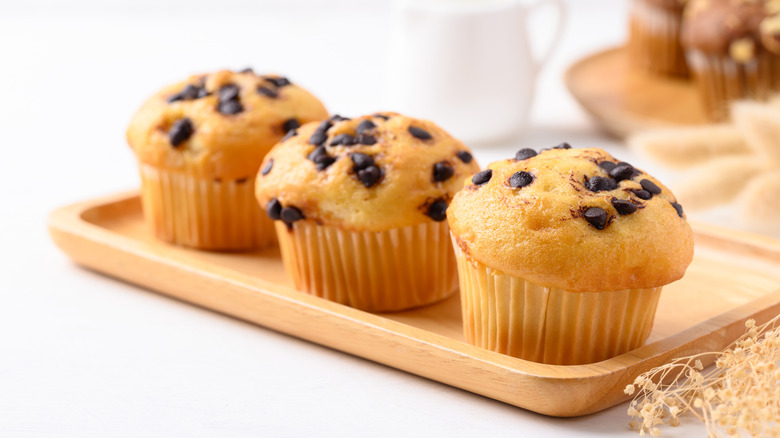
(466, 64)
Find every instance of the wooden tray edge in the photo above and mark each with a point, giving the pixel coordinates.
(617, 123)
(324, 322)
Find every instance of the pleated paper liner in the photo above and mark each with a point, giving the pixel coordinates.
(381, 271)
(721, 79)
(654, 42)
(192, 211)
(513, 316)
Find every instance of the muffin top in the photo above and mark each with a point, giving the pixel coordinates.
(576, 219)
(372, 173)
(737, 28)
(220, 124)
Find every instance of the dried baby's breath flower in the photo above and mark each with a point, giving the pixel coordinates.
(740, 396)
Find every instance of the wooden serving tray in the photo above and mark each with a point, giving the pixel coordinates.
(734, 276)
(624, 100)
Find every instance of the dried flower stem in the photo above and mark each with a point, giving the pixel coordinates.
(741, 394)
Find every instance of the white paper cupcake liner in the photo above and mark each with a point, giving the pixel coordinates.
(654, 39)
(513, 316)
(187, 210)
(721, 80)
(381, 271)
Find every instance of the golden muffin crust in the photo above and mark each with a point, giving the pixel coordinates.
(576, 219)
(220, 124)
(737, 28)
(372, 173)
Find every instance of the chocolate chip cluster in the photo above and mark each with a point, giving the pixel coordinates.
(611, 174)
(228, 102)
(366, 168)
(287, 214)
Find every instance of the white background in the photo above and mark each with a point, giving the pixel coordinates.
(84, 355)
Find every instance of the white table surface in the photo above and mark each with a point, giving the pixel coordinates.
(84, 355)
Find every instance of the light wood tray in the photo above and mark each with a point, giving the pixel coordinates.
(624, 100)
(734, 276)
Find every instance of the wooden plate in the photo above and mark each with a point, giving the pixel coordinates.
(624, 100)
(733, 277)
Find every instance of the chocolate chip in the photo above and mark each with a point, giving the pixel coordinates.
(321, 133)
(442, 171)
(278, 82)
(242, 180)
(189, 92)
(318, 137)
(624, 207)
(607, 165)
(650, 186)
(267, 92)
(323, 161)
(600, 183)
(274, 209)
(643, 194)
(597, 217)
(369, 176)
(180, 131)
(344, 140)
(230, 107)
(290, 215)
(437, 210)
(366, 139)
(361, 161)
(420, 133)
(291, 124)
(381, 116)
(562, 146)
(337, 118)
(520, 179)
(267, 168)
(247, 70)
(482, 177)
(465, 156)
(290, 134)
(677, 208)
(622, 172)
(319, 150)
(228, 92)
(365, 125)
(525, 153)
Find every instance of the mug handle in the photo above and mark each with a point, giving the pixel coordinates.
(561, 12)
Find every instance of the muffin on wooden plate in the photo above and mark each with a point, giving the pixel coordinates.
(562, 254)
(654, 36)
(199, 144)
(360, 208)
(733, 50)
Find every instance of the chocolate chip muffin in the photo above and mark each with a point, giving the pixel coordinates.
(360, 208)
(654, 36)
(199, 145)
(733, 50)
(562, 254)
